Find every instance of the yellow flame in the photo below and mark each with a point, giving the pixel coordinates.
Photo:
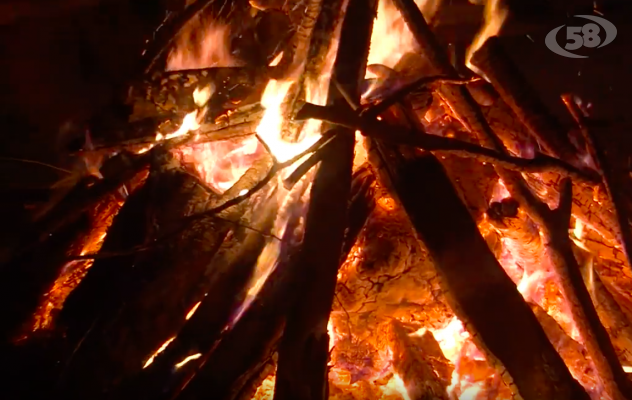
(160, 350)
(189, 123)
(391, 38)
(192, 311)
(495, 14)
(186, 360)
(202, 96)
(276, 60)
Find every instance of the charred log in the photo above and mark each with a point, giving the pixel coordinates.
(220, 289)
(475, 293)
(159, 288)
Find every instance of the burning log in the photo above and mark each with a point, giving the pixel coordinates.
(28, 277)
(303, 351)
(116, 172)
(246, 348)
(475, 293)
(163, 292)
(177, 93)
(410, 363)
(439, 144)
(554, 223)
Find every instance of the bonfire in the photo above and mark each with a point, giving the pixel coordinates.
(338, 211)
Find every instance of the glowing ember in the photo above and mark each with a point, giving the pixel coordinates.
(276, 60)
(193, 310)
(160, 350)
(186, 360)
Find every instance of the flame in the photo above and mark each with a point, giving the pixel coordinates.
(202, 44)
(160, 350)
(500, 192)
(270, 132)
(186, 360)
(189, 123)
(276, 60)
(391, 39)
(221, 164)
(265, 391)
(202, 96)
(495, 15)
(192, 311)
(395, 387)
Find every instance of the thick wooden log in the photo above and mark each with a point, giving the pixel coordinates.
(112, 279)
(116, 172)
(483, 296)
(409, 362)
(221, 288)
(166, 283)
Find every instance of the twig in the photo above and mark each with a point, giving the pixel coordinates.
(22, 160)
(439, 144)
(609, 177)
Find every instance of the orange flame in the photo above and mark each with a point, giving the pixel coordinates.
(495, 15)
(202, 44)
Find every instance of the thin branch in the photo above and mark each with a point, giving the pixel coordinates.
(22, 160)
(415, 138)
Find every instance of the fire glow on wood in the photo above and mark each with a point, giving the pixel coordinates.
(199, 280)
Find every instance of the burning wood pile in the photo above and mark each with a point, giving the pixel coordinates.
(313, 203)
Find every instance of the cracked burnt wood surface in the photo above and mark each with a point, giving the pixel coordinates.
(159, 288)
(411, 364)
(482, 295)
(611, 313)
(572, 352)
